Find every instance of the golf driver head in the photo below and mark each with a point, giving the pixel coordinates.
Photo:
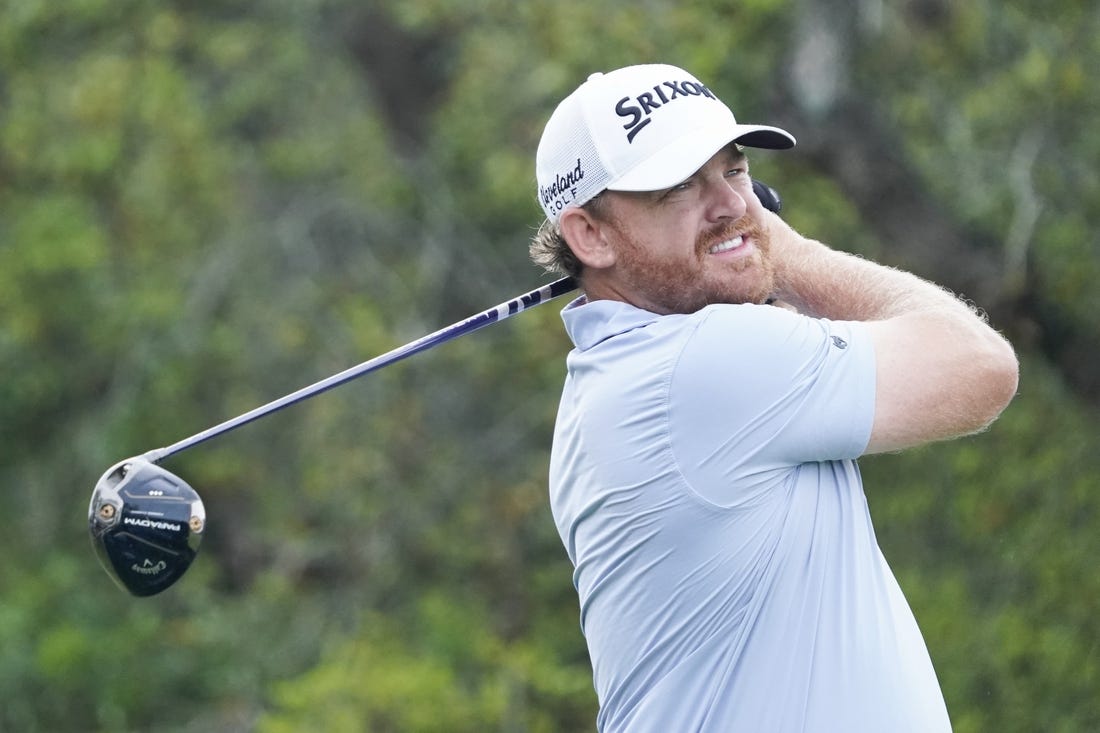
(768, 196)
(146, 525)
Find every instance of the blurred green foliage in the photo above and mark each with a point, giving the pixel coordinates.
(206, 205)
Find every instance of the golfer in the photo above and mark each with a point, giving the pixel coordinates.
(703, 477)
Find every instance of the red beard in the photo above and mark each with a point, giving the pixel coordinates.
(686, 284)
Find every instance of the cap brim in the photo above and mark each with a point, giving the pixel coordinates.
(682, 157)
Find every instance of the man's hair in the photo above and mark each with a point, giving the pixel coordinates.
(549, 249)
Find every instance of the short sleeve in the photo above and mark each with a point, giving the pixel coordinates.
(758, 390)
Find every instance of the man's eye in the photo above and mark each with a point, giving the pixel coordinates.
(678, 188)
(733, 172)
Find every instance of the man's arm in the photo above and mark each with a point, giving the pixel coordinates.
(941, 370)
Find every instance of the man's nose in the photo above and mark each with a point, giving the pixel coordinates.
(725, 202)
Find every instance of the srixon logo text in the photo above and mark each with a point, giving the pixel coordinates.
(639, 108)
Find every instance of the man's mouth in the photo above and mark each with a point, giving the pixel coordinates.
(727, 245)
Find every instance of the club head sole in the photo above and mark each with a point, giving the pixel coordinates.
(146, 525)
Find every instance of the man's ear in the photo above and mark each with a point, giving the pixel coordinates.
(587, 237)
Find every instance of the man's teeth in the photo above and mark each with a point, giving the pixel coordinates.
(727, 245)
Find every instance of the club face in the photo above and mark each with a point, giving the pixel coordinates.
(146, 525)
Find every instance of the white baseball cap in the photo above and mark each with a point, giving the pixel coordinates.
(639, 128)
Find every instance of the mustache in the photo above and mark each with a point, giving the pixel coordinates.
(746, 226)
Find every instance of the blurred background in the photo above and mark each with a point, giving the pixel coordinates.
(207, 204)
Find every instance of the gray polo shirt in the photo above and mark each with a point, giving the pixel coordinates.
(704, 485)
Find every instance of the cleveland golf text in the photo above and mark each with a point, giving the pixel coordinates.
(561, 186)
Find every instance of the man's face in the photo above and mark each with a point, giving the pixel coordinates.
(694, 244)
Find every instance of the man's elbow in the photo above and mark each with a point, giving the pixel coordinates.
(1000, 378)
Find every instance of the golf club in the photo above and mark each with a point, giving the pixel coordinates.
(146, 523)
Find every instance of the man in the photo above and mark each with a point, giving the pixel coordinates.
(703, 474)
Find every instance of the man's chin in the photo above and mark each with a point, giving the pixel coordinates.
(752, 283)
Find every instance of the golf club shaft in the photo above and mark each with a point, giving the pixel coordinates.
(509, 308)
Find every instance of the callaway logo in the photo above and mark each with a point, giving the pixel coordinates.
(643, 105)
(152, 524)
(564, 188)
(148, 568)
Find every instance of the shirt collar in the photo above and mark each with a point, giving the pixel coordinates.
(589, 323)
